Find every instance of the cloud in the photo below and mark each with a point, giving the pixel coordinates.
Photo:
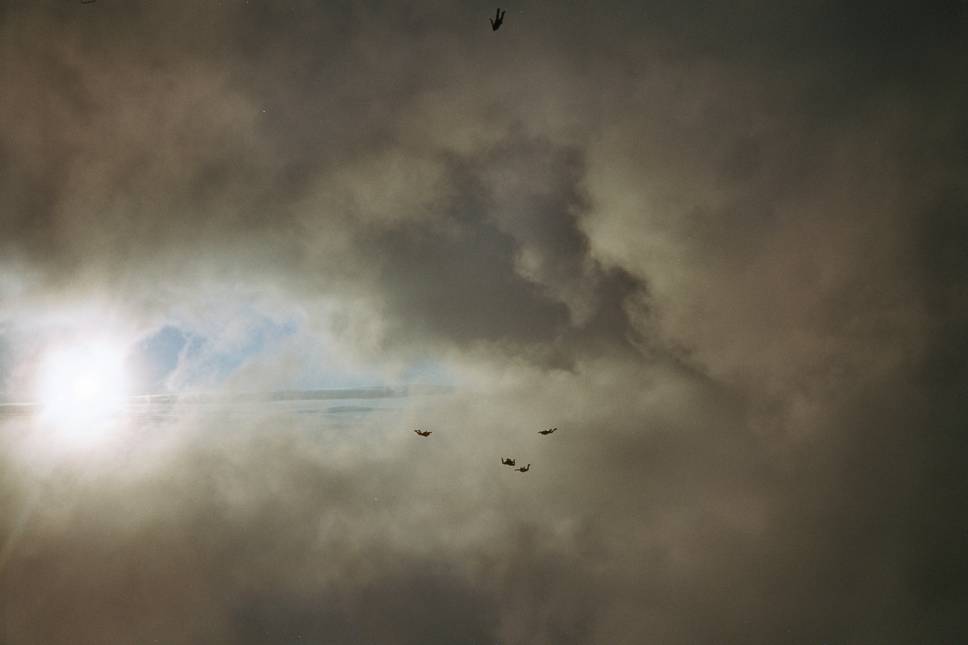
(720, 247)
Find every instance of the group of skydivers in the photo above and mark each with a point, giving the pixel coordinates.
(507, 461)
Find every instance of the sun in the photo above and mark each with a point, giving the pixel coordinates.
(82, 382)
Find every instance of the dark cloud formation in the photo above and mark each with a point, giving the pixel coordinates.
(722, 246)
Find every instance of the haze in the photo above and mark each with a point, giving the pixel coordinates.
(720, 245)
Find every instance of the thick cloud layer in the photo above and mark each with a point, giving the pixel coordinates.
(722, 247)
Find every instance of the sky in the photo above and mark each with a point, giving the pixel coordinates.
(720, 245)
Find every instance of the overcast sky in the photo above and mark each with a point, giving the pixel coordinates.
(722, 246)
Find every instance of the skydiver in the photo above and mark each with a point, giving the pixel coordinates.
(498, 19)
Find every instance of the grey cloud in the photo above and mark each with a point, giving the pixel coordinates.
(185, 164)
(740, 228)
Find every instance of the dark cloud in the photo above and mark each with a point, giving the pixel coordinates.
(720, 245)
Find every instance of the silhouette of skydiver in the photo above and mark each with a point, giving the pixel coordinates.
(497, 20)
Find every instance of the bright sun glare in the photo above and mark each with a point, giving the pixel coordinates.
(82, 382)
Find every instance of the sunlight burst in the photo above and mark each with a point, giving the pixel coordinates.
(82, 383)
